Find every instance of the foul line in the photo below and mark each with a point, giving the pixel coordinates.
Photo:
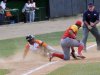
(90, 46)
(43, 66)
(50, 63)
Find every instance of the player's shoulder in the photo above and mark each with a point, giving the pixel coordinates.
(95, 11)
(38, 41)
(74, 28)
(73, 25)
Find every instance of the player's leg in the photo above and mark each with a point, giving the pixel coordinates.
(64, 56)
(66, 50)
(80, 45)
(96, 34)
(51, 49)
(27, 16)
(33, 16)
(56, 54)
(85, 36)
(30, 16)
(65, 44)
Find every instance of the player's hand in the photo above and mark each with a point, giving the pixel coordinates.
(89, 27)
(92, 24)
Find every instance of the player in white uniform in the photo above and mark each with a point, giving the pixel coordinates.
(35, 45)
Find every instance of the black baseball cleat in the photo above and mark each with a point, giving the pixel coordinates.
(73, 55)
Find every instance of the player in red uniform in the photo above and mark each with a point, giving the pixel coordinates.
(68, 41)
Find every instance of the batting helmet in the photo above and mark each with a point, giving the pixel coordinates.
(30, 37)
(79, 23)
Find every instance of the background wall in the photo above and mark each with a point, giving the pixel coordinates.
(54, 8)
(60, 8)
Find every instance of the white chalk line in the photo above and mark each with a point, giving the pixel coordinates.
(50, 63)
(43, 66)
(90, 46)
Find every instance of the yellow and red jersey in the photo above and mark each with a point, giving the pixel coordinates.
(37, 44)
(74, 28)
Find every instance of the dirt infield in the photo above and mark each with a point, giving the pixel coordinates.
(18, 66)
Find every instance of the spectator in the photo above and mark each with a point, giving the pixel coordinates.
(26, 11)
(1, 15)
(33, 7)
(3, 4)
(91, 19)
(9, 16)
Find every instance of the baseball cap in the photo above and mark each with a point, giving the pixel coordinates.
(90, 4)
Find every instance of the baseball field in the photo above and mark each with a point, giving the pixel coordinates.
(12, 42)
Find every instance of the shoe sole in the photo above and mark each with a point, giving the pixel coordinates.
(82, 57)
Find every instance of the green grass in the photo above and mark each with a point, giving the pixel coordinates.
(78, 69)
(10, 46)
(4, 71)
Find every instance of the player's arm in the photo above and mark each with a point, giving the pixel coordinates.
(44, 44)
(97, 20)
(35, 7)
(84, 20)
(26, 50)
(41, 43)
(72, 34)
(25, 53)
(86, 23)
